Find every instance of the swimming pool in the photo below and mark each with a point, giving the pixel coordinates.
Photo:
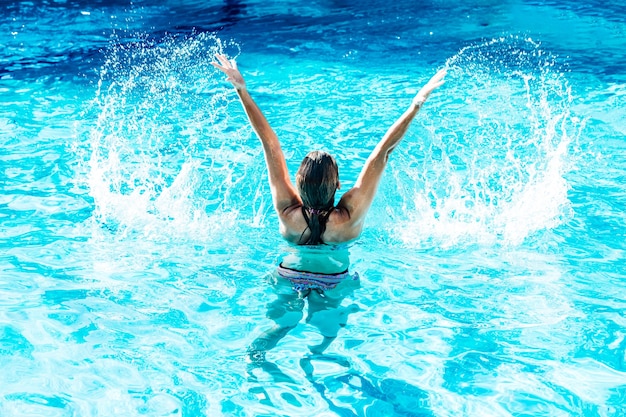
(137, 233)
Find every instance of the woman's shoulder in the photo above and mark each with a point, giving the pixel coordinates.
(292, 223)
(340, 227)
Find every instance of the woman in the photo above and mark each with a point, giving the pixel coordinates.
(307, 213)
(308, 216)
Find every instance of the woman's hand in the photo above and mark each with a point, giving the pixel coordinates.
(430, 86)
(230, 69)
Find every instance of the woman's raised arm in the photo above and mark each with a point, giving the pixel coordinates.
(358, 200)
(284, 194)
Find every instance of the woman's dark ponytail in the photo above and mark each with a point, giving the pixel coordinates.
(317, 180)
(316, 223)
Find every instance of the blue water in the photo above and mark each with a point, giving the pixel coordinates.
(137, 233)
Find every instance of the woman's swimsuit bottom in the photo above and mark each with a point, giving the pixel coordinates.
(303, 280)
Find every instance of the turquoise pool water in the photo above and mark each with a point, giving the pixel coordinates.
(137, 234)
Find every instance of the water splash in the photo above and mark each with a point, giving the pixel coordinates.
(162, 155)
(495, 157)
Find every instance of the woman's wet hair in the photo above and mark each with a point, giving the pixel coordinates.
(317, 180)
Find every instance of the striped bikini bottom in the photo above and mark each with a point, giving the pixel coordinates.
(303, 280)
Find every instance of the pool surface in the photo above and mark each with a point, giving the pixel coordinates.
(138, 242)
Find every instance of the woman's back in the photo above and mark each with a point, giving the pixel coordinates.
(322, 259)
(338, 226)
